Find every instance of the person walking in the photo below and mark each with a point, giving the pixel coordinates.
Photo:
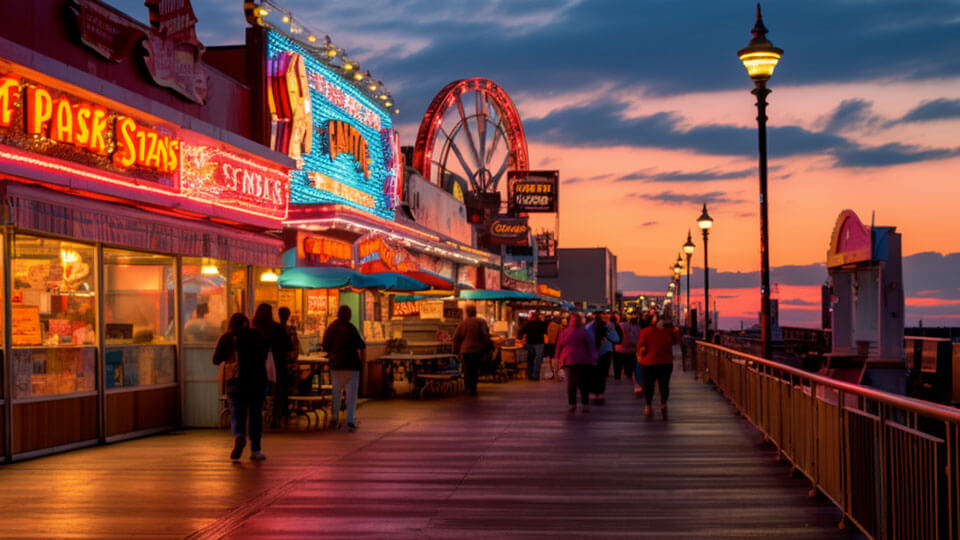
(344, 346)
(619, 360)
(655, 354)
(577, 355)
(241, 353)
(471, 340)
(604, 337)
(625, 352)
(550, 345)
(279, 345)
(532, 334)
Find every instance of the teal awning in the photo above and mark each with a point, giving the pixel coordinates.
(390, 281)
(321, 277)
(484, 294)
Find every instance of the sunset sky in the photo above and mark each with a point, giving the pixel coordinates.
(645, 109)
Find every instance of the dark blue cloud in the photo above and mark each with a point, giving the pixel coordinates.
(889, 154)
(937, 109)
(706, 175)
(851, 114)
(670, 197)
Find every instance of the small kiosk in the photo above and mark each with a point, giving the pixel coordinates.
(867, 305)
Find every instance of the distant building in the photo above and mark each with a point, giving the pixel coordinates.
(587, 276)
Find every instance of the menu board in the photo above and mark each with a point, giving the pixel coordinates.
(25, 323)
(431, 309)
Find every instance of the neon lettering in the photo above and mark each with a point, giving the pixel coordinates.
(126, 154)
(62, 127)
(98, 131)
(82, 137)
(9, 95)
(39, 109)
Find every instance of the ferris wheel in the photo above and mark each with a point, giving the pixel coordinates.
(471, 132)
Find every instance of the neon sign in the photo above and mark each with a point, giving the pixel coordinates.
(226, 179)
(375, 254)
(288, 96)
(353, 157)
(33, 116)
(320, 250)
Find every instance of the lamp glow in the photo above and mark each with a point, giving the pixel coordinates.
(760, 57)
(311, 38)
(269, 277)
(286, 18)
(210, 270)
(705, 221)
(372, 87)
(689, 246)
(332, 52)
(358, 76)
(348, 67)
(261, 12)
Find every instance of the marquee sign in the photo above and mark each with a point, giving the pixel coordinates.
(350, 154)
(375, 254)
(324, 251)
(533, 191)
(40, 119)
(508, 230)
(53, 128)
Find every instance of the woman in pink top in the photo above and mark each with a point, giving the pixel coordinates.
(577, 354)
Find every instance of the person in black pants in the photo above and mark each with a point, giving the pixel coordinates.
(471, 341)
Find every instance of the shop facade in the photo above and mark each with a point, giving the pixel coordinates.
(132, 229)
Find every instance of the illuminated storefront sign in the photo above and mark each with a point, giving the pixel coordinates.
(39, 119)
(548, 291)
(406, 309)
(375, 254)
(352, 140)
(324, 251)
(54, 130)
(532, 191)
(222, 177)
(506, 230)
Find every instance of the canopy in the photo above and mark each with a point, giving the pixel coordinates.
(390, 281)
(484, 294)
(321, 277)
(429, 278)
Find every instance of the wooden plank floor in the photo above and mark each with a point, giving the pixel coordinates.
(511, 463)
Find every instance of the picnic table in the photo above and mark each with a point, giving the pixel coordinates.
(313, 404)
(422, 373)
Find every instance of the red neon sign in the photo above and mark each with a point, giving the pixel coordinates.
(223, 178)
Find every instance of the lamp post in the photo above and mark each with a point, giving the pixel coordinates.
(677, 268)
(688, 248)
(760, 58)
(705, 222)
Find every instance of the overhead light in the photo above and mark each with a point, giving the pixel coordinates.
(388, 104)
(311, 38)
(269, 277)
(261, 12)
(348, 67)
(383, 97)
(372, 87)
(358, 76)
(210, 270)
(396, 111)
(332, 52)
(286, 18)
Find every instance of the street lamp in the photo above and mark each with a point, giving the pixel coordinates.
(688, 248)
(760, 58)
(677, 268)
(705, 222)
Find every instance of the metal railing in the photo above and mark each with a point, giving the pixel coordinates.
(890, 463)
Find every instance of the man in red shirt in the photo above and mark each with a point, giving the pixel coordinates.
(655, 354)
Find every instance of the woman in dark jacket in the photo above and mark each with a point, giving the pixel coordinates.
(246, 390)
(279, 344)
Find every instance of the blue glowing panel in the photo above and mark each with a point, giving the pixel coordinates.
(342, 114)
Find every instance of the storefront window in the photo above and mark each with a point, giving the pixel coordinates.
(140, 329)
(204, 304)
(238, 289)
(265, 288)
(54, 320)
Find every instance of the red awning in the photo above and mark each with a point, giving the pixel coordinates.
(429, 278)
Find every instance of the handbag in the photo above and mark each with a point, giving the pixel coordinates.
(229, 369)
(271, 368)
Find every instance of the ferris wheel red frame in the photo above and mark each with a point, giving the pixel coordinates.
(447, 97)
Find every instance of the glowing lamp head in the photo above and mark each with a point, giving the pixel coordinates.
(669, 295)
(372, 87)
(210, 270)
(396, 111)
(311, 38)
(689, 246)
(705, 222)
(383, 97)
(285, 19)
(358, 76)
(760, 57)
(388, 104)
(677, 268)
(269, 277)
(348, 67)
(261, 11)
(673, 285)
(332, 52)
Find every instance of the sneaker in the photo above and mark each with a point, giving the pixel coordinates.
(238, 443)
(257, 455)
(647, 411)
(351, 427)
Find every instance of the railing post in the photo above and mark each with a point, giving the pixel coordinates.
(882, 491)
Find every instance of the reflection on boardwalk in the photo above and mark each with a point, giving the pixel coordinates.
(512, 462)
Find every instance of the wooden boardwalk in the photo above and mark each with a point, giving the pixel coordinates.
(511, 463)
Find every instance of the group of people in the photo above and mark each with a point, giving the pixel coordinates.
(641, 348)
(258, 357)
